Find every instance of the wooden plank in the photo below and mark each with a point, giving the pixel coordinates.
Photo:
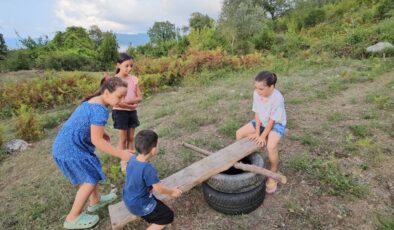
(190, 176)
(245, 167)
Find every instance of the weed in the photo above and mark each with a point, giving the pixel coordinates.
(381, 101)
(28, 126)
(360, 130)
(384, 222)
(368, 115)
(305, 139)
(336, 116)
(329, 174)
(229, 128)
(1, 136)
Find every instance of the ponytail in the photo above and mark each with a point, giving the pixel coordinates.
(107, 83)
(268, 77)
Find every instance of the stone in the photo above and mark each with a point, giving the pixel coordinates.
(16, 145)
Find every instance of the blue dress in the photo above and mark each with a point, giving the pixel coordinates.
(73, 150)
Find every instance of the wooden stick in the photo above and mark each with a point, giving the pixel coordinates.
(245, 167)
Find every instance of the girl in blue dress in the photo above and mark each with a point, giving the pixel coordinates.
(74, 147)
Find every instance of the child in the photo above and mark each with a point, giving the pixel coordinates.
(125, 113)
(269, 124)
(73, 151)
(142, 180)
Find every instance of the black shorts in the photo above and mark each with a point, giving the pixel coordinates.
(161, 215)
(124, 119)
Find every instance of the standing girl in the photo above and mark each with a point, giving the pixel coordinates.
(125, 113)
(269, 124)
(74, 146)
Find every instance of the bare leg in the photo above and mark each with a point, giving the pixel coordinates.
(94, 198)
(155, 227)
(272, 148)
(245, 131)
(122, 139)
(130, 139)
(81, 197)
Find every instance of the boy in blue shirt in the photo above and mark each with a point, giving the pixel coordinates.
(142, 180)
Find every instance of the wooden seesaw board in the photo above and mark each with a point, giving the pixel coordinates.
(190, 176)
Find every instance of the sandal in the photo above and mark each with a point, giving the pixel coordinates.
(271, 186)
(104, 200)
(82, 221)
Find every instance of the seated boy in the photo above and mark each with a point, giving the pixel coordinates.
(142, 180)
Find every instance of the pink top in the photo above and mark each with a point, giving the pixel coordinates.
(132, 83)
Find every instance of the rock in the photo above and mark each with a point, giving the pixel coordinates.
(16, 145)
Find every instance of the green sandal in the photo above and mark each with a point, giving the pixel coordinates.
(82, 221)
(104, 200)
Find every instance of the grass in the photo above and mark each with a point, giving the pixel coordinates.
(329, 174)
(206, 111)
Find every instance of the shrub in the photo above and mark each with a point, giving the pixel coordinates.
(314, 17)
(28, 126)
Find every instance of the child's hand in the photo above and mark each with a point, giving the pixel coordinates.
(176, 192)
(253, 137)
(126, 155)
(261, 141)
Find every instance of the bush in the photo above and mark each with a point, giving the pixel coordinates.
(65, 60)
(28, 126)
(314, 17)
(18, 60)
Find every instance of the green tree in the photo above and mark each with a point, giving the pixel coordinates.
(95, 35)
(239, 22)
(275, 7)
(107, 52)
(3, 47)
(199, 21)
(161, 31)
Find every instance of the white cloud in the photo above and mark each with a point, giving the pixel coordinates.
(131, 16)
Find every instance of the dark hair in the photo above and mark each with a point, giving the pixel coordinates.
(145, 141)
(111, 85)
(266, 76)
(121, 58)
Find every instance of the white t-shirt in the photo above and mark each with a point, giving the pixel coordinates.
(270, 107)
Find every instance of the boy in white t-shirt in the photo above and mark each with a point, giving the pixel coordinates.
(269, 124)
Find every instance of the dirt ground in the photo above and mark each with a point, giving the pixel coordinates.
(321, 119)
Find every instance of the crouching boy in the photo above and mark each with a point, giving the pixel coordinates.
(142, 180)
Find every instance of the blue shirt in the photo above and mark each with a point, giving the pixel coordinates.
(140, 176)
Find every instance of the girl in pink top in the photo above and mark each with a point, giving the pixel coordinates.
(125, 113)
(269, 123)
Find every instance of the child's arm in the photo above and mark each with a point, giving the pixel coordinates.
(174, 192)
(255, 136)
(97, 138)
(263, 137)
(132, 104)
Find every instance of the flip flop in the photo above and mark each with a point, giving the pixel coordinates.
(104, 200)
(271, 186)
(83, 221)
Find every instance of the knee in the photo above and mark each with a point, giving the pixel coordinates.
(272, 149)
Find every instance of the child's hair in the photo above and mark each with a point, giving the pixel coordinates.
(145, 141)
(121, 58)
(268, 77)
(111, 85)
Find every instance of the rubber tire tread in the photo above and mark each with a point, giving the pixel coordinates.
(238, 183)
(234, 203)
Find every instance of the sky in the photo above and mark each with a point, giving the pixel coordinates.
(36, 18)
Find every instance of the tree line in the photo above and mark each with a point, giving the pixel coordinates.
(341, 28)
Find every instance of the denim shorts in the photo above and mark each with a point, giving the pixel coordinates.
(278, 127)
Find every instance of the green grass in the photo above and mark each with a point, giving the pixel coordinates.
(206, 113)
(329, 174)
